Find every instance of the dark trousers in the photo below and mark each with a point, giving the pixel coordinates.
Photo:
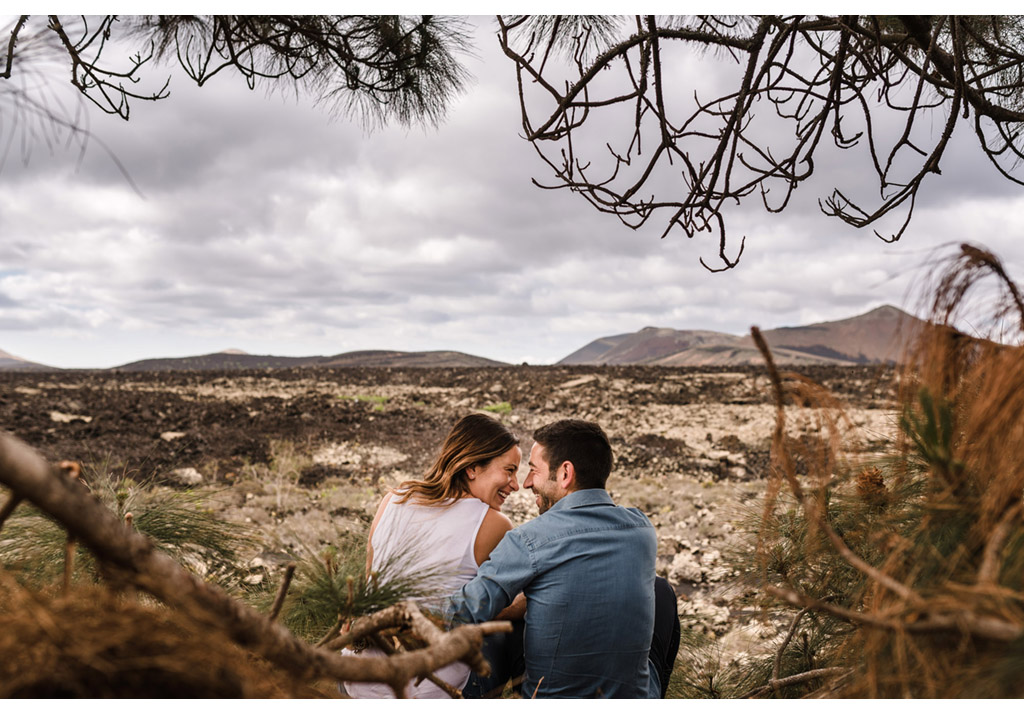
(665, 642)
(504, 651)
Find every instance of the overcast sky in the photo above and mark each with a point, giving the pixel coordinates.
(267, 225)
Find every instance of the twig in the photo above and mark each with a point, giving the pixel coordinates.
(22, 19)
(964, 621)
(988, 573)
(397, 616)
(777, 666)
(73, 469)
(333, 632)
(537, 688)
(774, 685)
(808, 504)
(384, 646)
(282, 591)
(129, 589)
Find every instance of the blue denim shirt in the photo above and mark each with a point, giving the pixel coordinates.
(587, 568)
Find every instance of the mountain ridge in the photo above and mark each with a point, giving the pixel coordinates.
(874, 337)
(9, 362)
(877, 336)
(237, 359)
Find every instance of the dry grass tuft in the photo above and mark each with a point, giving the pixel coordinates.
(95, 644)
(903, 578)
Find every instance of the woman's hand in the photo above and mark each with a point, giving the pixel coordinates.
(515, 611)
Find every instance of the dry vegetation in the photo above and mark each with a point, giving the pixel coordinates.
(835, 532)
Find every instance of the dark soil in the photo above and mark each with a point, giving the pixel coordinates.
(119, 417)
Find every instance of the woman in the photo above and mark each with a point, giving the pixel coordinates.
(450, 521)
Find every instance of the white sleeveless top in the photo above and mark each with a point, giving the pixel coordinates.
(409, 538)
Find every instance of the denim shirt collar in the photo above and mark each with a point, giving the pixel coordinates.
(584, 497)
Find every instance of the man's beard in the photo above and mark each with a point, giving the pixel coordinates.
(545, 503)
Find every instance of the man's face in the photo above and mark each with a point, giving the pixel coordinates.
(541, 481)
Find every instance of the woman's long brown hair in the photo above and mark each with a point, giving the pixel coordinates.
(473, 441)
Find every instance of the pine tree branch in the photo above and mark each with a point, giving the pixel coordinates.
(809, 505)
(333, 632)
(774, 685)
(988, 573)
(963, 621)
(777, 665)
(134, 556)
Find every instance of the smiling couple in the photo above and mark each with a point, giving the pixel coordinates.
(578, 581)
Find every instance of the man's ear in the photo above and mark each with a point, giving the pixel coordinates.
(567, 479)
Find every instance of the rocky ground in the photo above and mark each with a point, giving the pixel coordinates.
(303, 455)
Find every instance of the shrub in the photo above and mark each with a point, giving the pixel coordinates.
(902, 577)
(178, 522)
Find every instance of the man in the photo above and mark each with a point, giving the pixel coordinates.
(586, 567)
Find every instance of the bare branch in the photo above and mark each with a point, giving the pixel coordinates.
(777, 664)
(382, 644)
(282, 591)
(133, 556)
(816, 73)
(810, 505)
(22, 19)
(776, 685)
(962, 621)
(988, 572)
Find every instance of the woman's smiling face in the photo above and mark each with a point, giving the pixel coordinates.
(494, 481)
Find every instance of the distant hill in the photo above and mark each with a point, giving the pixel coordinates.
(650, 345)
(236, 359)
(875, 337)
(596, 351)
(227, 360)
(9, 362)
(388, 358)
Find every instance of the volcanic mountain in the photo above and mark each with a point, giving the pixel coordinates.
(236, 359)
(876, 337)
(13, 362)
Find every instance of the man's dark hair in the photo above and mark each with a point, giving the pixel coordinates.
(583, 443)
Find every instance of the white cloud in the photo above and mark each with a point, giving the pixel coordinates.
(268, 227)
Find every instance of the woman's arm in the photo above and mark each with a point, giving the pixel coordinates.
(373, 527)
(504, 575)
(492, 530)
(494, 527)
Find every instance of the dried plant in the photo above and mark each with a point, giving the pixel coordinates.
(908, 572)
(333, 587)
(130, 563)
(93, 644)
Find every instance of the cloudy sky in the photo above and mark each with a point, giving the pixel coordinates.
(267, 225)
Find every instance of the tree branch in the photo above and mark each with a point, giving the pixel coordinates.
(134, 556)
(282, 591)
(775, 685)
(963, 621)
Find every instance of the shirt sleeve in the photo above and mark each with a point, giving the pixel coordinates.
(505, 574)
